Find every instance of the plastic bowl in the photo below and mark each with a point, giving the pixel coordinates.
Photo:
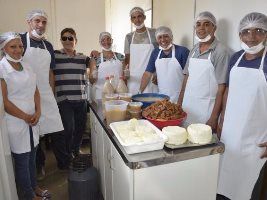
(160, 123)
(148, 98)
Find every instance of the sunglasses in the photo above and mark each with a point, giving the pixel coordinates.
(64, 38)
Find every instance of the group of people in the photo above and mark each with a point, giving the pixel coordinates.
(227, 92)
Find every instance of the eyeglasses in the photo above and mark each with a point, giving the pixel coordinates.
(64, 38)
(257, 32)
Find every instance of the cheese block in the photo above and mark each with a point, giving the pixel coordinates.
(176, 135)
(199, 133)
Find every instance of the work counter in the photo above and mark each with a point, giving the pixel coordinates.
(169, 173)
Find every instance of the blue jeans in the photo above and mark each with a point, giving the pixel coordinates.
(25, 173)
(74, 116)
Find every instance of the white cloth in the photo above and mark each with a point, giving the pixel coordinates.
(244, 128)
(200, 92)
(139, 57)
(170, 76)
(107, 68)
(39, 60)
(21, 86)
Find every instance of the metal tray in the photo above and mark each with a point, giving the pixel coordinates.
(187, 144)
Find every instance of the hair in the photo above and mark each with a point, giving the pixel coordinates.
(68, 30)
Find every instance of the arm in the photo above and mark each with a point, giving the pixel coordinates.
(224, 101)
(52, 80)
(264, 145)
(37, 114)
(145, 80)
(92, 70)
(213, 120)
(11, 108)
(181, 96)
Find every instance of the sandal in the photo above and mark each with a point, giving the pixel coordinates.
(42, 193)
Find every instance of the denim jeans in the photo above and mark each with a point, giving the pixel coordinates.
(25, 173)
(74, 116)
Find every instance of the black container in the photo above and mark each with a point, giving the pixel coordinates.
(83, 179)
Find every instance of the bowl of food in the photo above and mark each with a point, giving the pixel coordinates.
(164, 113)
(149, 98)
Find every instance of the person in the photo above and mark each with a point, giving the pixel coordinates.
(205, 74)
(21, 100)
(106, 64)
(168, 61)
(243, 120)
(137, 48)
(39, 53)
(70, 84)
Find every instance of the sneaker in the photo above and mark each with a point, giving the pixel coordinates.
(40, 174)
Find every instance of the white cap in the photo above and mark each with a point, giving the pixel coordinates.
(34, 13)
(137, 9)
(7, 37)
(206, 16)
(253, 20)
(163, 30)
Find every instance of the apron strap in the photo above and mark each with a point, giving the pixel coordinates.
(150, 41)
(195, 52)
(28, 41)
(263, 58)
(239, 59)
(101, 57)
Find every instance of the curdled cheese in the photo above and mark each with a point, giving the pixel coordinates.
(176, 135)
(199, 133)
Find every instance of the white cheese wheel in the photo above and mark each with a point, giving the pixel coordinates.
(199, 133)
(176, 135)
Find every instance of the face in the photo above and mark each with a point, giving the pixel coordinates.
(68, 41)
(14, 48)
(204, 28)
(137, 18)
(252, 37)
(164, 40)
(38, 23)
(106, 42)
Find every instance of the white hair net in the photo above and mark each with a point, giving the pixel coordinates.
(163, 30)
(103, 34)
(206, 16)
(34, 13)
(137, 9)
(253, 20)
(7, 37)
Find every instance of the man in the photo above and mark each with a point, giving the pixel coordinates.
(39, 53)
(205, 75)
(168, 61)
(137, 48)
(244, 115)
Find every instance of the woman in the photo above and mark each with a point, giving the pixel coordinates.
(244, 131)
(106, 64)
(70, 86)
(21, 100)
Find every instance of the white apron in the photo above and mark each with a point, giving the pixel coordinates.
(170, 76)
(21, 86)
(200, 91)
(39, 60)
(244, 128)
(107, 68)
(139, 57)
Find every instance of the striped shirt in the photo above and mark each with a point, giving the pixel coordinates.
(70, 76)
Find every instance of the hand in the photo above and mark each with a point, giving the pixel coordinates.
(264, 145)
(219, 129)
(94, 54)
(35, 118)
(212, 122)
(27, 118)
(154, 79)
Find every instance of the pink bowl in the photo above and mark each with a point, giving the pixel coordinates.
(160, 123)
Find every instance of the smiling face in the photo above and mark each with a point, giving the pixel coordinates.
(164, 40)
(253, 36)
(68, 41)
(204, 28)
(38, 23)
(137, 18)
(14, 48)
(106, 42)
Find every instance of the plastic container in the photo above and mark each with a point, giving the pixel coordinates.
(113, 81)
(135, 106)
(135, 114)
(121, 87)
(125, 96)
(115, 110)
(110, 97)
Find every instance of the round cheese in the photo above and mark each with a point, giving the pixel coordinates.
(176, 135)
(199, 133)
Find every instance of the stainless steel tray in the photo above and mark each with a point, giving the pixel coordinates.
(187, 144)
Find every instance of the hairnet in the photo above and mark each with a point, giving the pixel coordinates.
(137, 9)
(253, 20)
(102, 34)
(206, 16)
(163, 30)
(6, 37)
(34, 13)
